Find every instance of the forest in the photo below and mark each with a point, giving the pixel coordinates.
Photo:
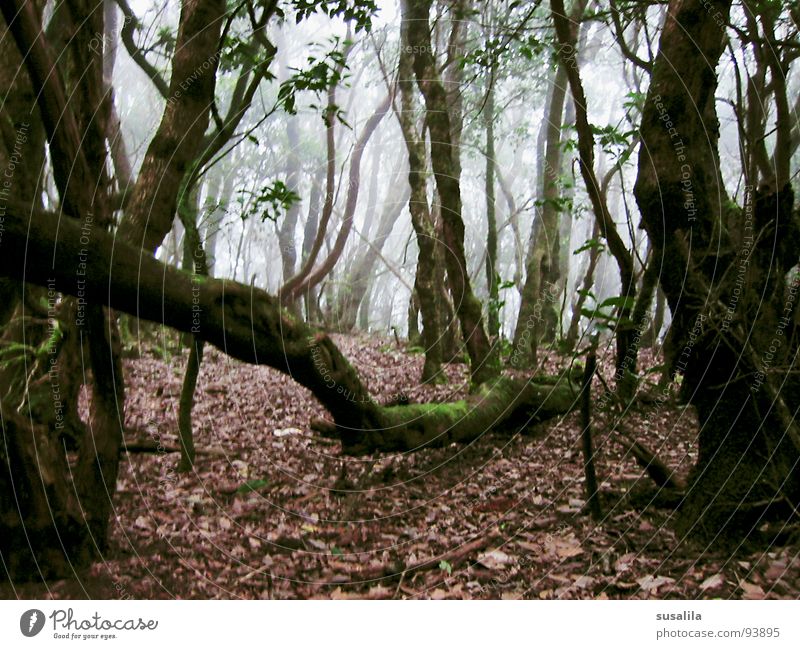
(399, 299)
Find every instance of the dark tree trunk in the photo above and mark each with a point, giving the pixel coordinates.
(626, 357)
(492, 272)
(577, 306)
(196, 263)
(76, 132)
(42, 533)
(732, 335)
(483, 365)
(176, 143)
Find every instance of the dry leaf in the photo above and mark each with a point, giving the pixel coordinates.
(751, 591)
(652, 584)
(494, 560)
(715, 581)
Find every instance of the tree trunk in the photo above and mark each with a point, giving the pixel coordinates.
(577, 306)
(176, 143)
(350, 295)
(492, 272)
(250, 325)
(313, 278)
(424, 298)
(483, 364)
(289, 224)
(733, 333)
(626, 351)
(196, 263)
(537, 309)
(42, 534)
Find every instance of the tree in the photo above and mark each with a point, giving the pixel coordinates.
(733, 334)
(483, 365)
(626, 349)
(426, 299)
(250, 325)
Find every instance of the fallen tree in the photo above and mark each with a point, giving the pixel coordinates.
(45, 532)
(249, 324)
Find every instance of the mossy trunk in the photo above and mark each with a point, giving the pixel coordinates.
(733, 335)
(501, 403)
(446, 171)
(249, 324)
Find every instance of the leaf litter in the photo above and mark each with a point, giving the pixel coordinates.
(276, 512)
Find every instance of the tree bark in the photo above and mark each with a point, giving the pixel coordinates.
(250, 325)
(483, 365)
(176, 144)
(733, 336)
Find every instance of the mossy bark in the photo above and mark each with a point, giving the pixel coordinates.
(446, 170)
(733, 335)
(249, 324)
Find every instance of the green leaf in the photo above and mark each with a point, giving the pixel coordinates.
(336, 552)
(252, 485)
(446, 566)
(619, 301)
(588, 245)
(269, 202)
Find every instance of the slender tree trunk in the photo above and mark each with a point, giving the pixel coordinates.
(580, 300)
(196, 263)
(286, 233)
(289, 290)
(424, 298)
(116, 142)
(349, 298)
(312, 278)
(537, 308)
(627, 352)
(483, 365)
(492, 274)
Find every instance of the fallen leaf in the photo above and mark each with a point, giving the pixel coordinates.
(751, 591)
(494, 560)
(714, 581)
(652, 584)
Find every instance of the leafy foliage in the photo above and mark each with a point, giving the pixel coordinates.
(318, 77)
(359, 12)
(268, 204)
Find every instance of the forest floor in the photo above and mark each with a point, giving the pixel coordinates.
(273, 511)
